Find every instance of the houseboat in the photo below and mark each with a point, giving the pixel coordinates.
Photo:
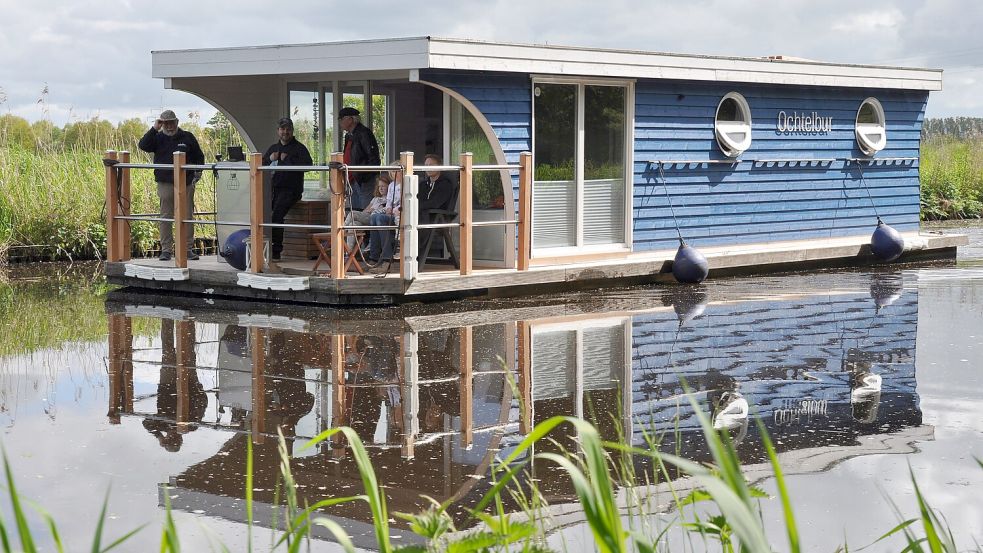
(574, 167)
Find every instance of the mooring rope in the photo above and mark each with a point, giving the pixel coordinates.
(662, 176)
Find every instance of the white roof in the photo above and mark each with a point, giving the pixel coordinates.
(411, 54)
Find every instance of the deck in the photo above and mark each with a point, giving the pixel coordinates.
(210, 276)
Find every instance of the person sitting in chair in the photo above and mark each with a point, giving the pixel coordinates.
(376, 205)
(435, 192)
(381, 241)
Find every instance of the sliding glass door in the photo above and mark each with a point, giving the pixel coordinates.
(581, 157)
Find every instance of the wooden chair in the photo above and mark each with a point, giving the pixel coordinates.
(322, 240)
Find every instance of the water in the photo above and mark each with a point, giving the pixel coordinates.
(855, 374)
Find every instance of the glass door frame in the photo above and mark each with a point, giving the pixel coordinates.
(581, 249)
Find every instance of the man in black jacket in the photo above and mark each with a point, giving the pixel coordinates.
(361, 148)
(162, 140)
(288, 186)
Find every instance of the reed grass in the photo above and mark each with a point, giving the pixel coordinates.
(53, 202)
(951, 173)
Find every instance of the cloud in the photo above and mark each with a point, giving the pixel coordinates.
(70, 46)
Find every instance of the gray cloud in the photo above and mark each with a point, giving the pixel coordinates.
(94, 57)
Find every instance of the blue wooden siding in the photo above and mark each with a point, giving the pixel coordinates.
(755, 202)
(746, 202)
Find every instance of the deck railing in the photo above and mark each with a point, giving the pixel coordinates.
(118, 215)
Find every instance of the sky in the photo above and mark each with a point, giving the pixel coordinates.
(68, 61)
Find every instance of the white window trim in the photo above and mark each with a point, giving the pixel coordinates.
(727, 146)
(867, 146)
(580, 248)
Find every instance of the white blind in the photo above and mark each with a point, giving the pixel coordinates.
(604, 211)
(554, 214)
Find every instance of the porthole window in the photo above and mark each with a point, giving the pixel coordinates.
(871, 131)
(732, 125)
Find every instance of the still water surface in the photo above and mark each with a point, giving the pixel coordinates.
(855, 374)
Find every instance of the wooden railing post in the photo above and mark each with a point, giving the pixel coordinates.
(256, 210)
(112, 208)
(407, 220)
(122, 227)
(467, 386)
(525, 211)
(337, 207)
(464, 213)
(180, 210)
(257, 338)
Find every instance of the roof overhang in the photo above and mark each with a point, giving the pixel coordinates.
(408, 54)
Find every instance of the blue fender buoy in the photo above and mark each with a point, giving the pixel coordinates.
(689, 266)
(886, 243)
(234, 249)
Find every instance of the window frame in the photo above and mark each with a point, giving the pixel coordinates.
(728, 147)
(580, 248)
(866, 146)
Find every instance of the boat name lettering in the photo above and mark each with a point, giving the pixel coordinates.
(810, 123)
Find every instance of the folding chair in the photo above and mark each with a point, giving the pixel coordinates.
(322, 240)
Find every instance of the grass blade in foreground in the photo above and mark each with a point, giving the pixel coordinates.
(376, 497)
(790, 526)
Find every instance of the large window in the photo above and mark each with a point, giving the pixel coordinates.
(580, 192)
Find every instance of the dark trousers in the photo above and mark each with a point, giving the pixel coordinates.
(283, 199)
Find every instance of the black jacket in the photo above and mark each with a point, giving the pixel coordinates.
(163, 148)
(365, 151)
(297, 154)
(434, 195)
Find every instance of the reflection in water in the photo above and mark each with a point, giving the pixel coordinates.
(434, 400)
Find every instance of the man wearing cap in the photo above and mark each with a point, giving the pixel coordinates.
(288, 186)
(361, 148)
(162, 140)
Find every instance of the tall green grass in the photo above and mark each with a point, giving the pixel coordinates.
(951, 172)
(56, 199)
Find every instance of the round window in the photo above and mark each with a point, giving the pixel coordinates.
(732, 125)
(871, 131)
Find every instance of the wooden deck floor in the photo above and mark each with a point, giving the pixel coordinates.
(212, 276)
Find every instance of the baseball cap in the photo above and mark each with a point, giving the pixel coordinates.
(285, 123)
(167, 115)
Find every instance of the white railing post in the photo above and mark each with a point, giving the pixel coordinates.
(409, 219)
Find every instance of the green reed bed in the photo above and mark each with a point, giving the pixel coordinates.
(52, 203)
(951, 175)
(731, 514)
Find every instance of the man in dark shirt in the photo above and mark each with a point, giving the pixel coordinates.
(288, 186)
(361, 148)
(162, 140)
